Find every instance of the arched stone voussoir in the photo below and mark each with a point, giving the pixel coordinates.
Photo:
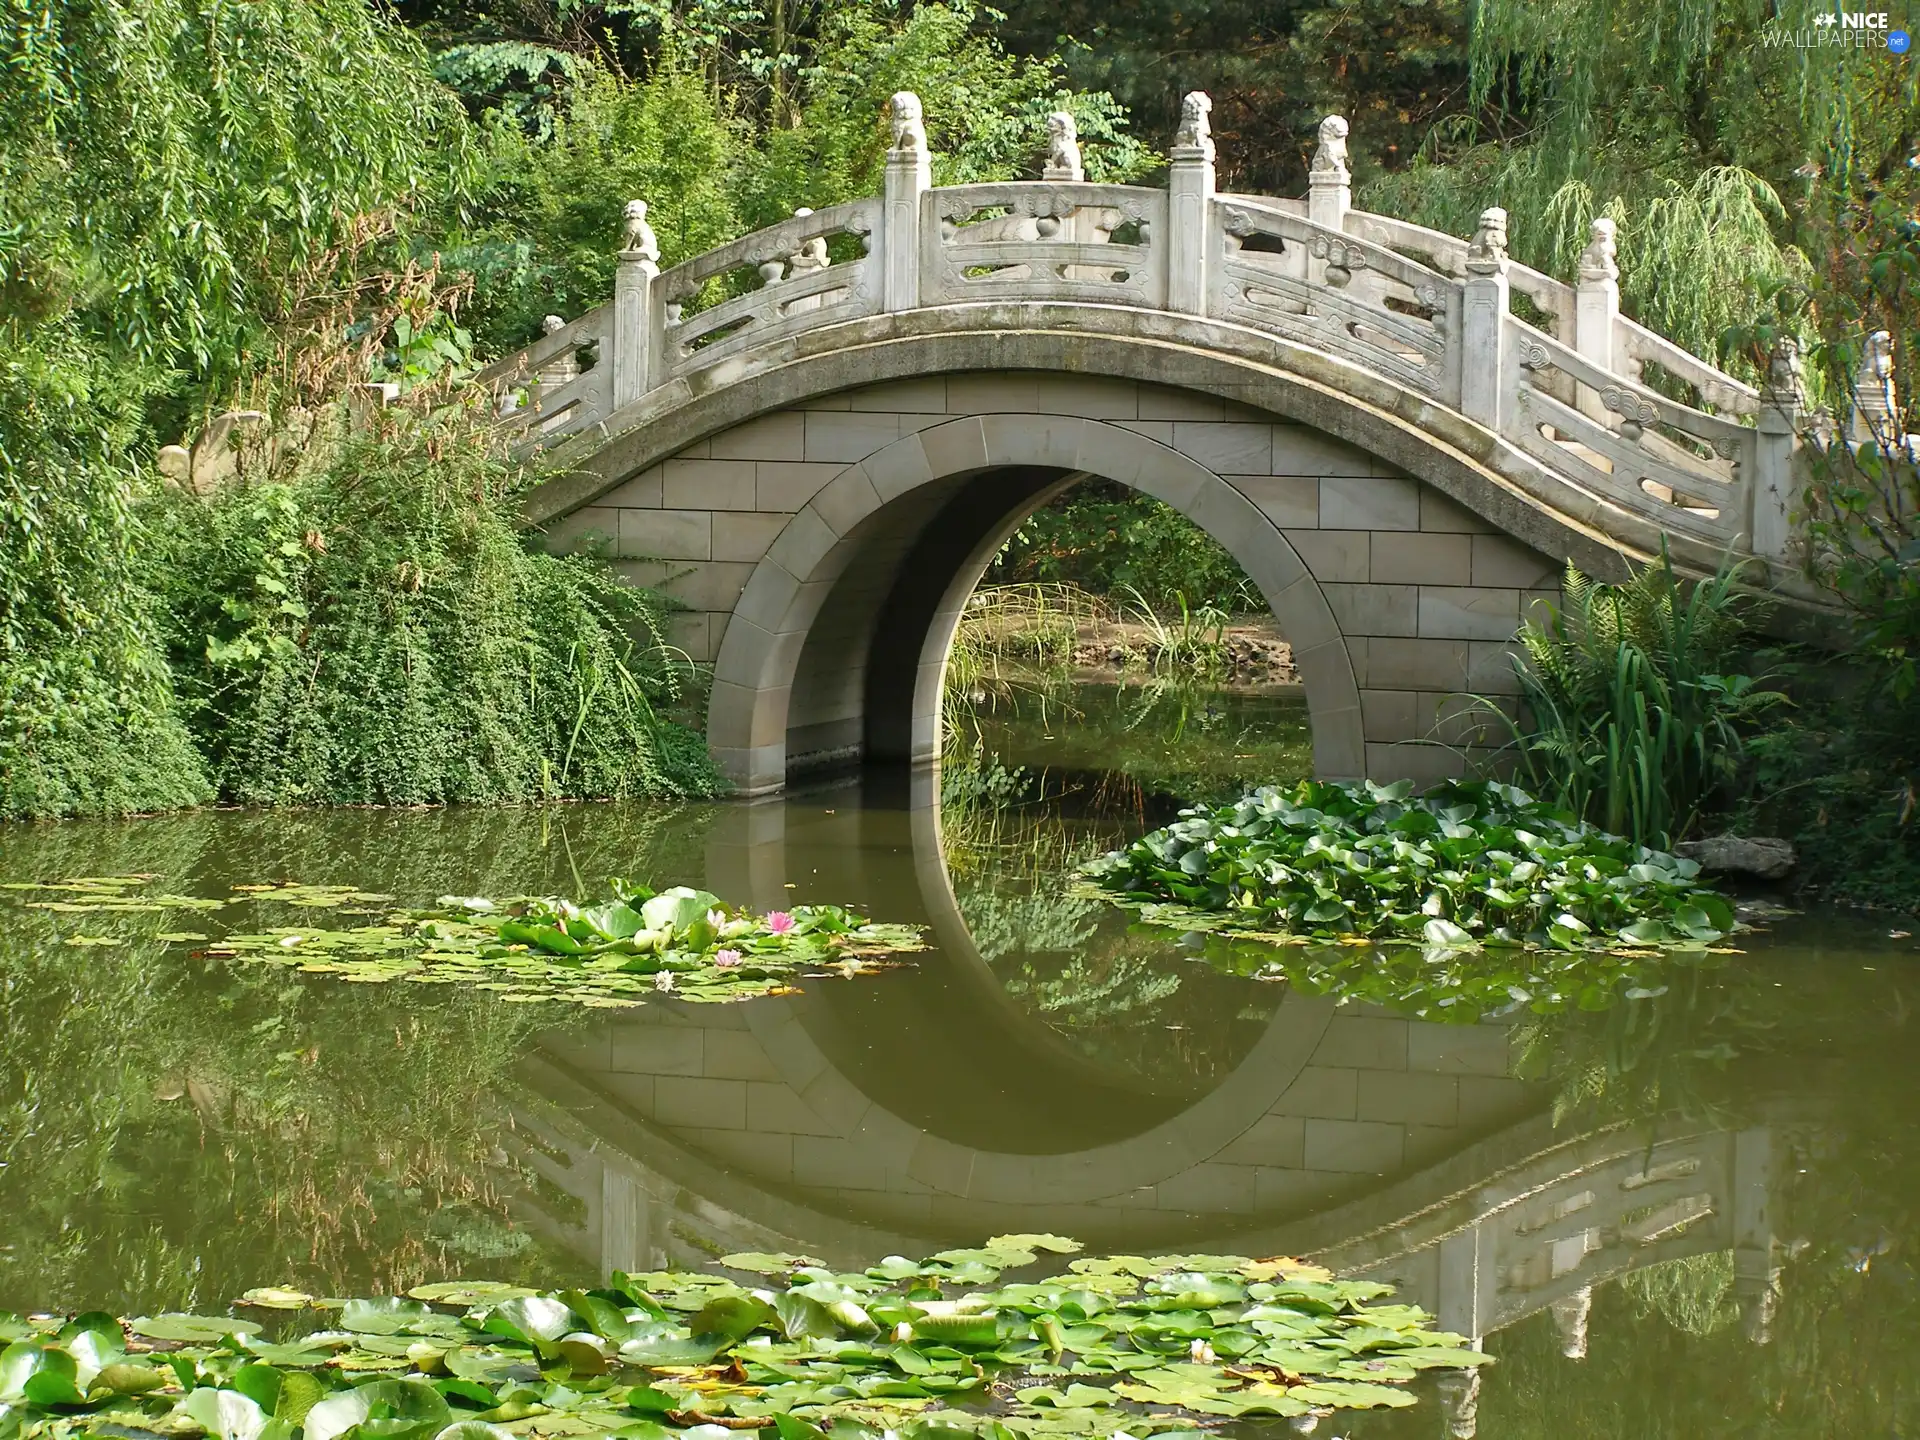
(757, 659)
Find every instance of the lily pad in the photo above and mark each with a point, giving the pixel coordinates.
(469, 1293)
(192, 1329)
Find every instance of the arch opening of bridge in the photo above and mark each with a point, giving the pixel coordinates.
(839, 644)
(815, 435)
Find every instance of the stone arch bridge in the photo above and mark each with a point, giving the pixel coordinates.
(817, 436)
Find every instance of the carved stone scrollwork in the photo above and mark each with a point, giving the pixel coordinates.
(1237, 222)
(1727, 447)
(1635, 412)
(1534, 357)
(1342, 259)
(1045, 206)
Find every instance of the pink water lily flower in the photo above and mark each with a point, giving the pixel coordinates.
(726, 957)
(779, 922)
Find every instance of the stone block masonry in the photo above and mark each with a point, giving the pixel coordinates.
(1420, 595)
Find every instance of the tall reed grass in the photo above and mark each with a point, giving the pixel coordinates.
(1632, 720)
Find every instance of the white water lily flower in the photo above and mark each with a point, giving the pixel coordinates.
(1202, 1353)
(663, 980)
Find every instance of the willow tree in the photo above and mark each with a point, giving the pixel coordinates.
(1724, 150)
(177, 179)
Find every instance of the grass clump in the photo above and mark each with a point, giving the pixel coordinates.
(1469, 863)
(1638, 725)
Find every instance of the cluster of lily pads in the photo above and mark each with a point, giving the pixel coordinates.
(684, 941)
(1469, 863)
(930, 1350)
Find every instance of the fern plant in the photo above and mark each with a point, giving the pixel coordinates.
(1632, 722)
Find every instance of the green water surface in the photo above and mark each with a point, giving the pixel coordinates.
(1710, 1193)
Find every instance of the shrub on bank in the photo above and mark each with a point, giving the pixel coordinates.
(375, 630)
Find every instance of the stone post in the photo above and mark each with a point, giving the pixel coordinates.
(1330, 182)
(909, 175)
(1596, 306)
(1483, 323)
(1782, 399)
(1756, 1268)
(1064, 167)
(631, 334)
(1873, 403)
(1189, 199)
(1570, 1316)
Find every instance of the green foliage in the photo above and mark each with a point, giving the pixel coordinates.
(1470, 863)
(986, 111)
(1106, 538)
(553, 201)
(862, 1353)
(1631, 722)
(87, 720)
(1841, 780)
(1698, 253)
(374, 630)
(712, 166)
(172, 169)
(175, 180)
(1393, 67)
(1737, 163)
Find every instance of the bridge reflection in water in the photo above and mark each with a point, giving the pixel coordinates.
(933, 1107)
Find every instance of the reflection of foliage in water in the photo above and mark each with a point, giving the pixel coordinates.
(1187, 740)
(1692, 1293)
(1122, 997)
(175, 1133)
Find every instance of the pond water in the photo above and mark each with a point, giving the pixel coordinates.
(1694, 1212)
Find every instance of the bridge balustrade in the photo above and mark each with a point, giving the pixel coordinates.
(1563, 384)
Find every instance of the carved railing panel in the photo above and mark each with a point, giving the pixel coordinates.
(1672, 1199)
(1634, 346)
(556, 385)
(1280, 272)
(800, 286)
(1689, 470)
(1044, 240)
(1448, 254)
